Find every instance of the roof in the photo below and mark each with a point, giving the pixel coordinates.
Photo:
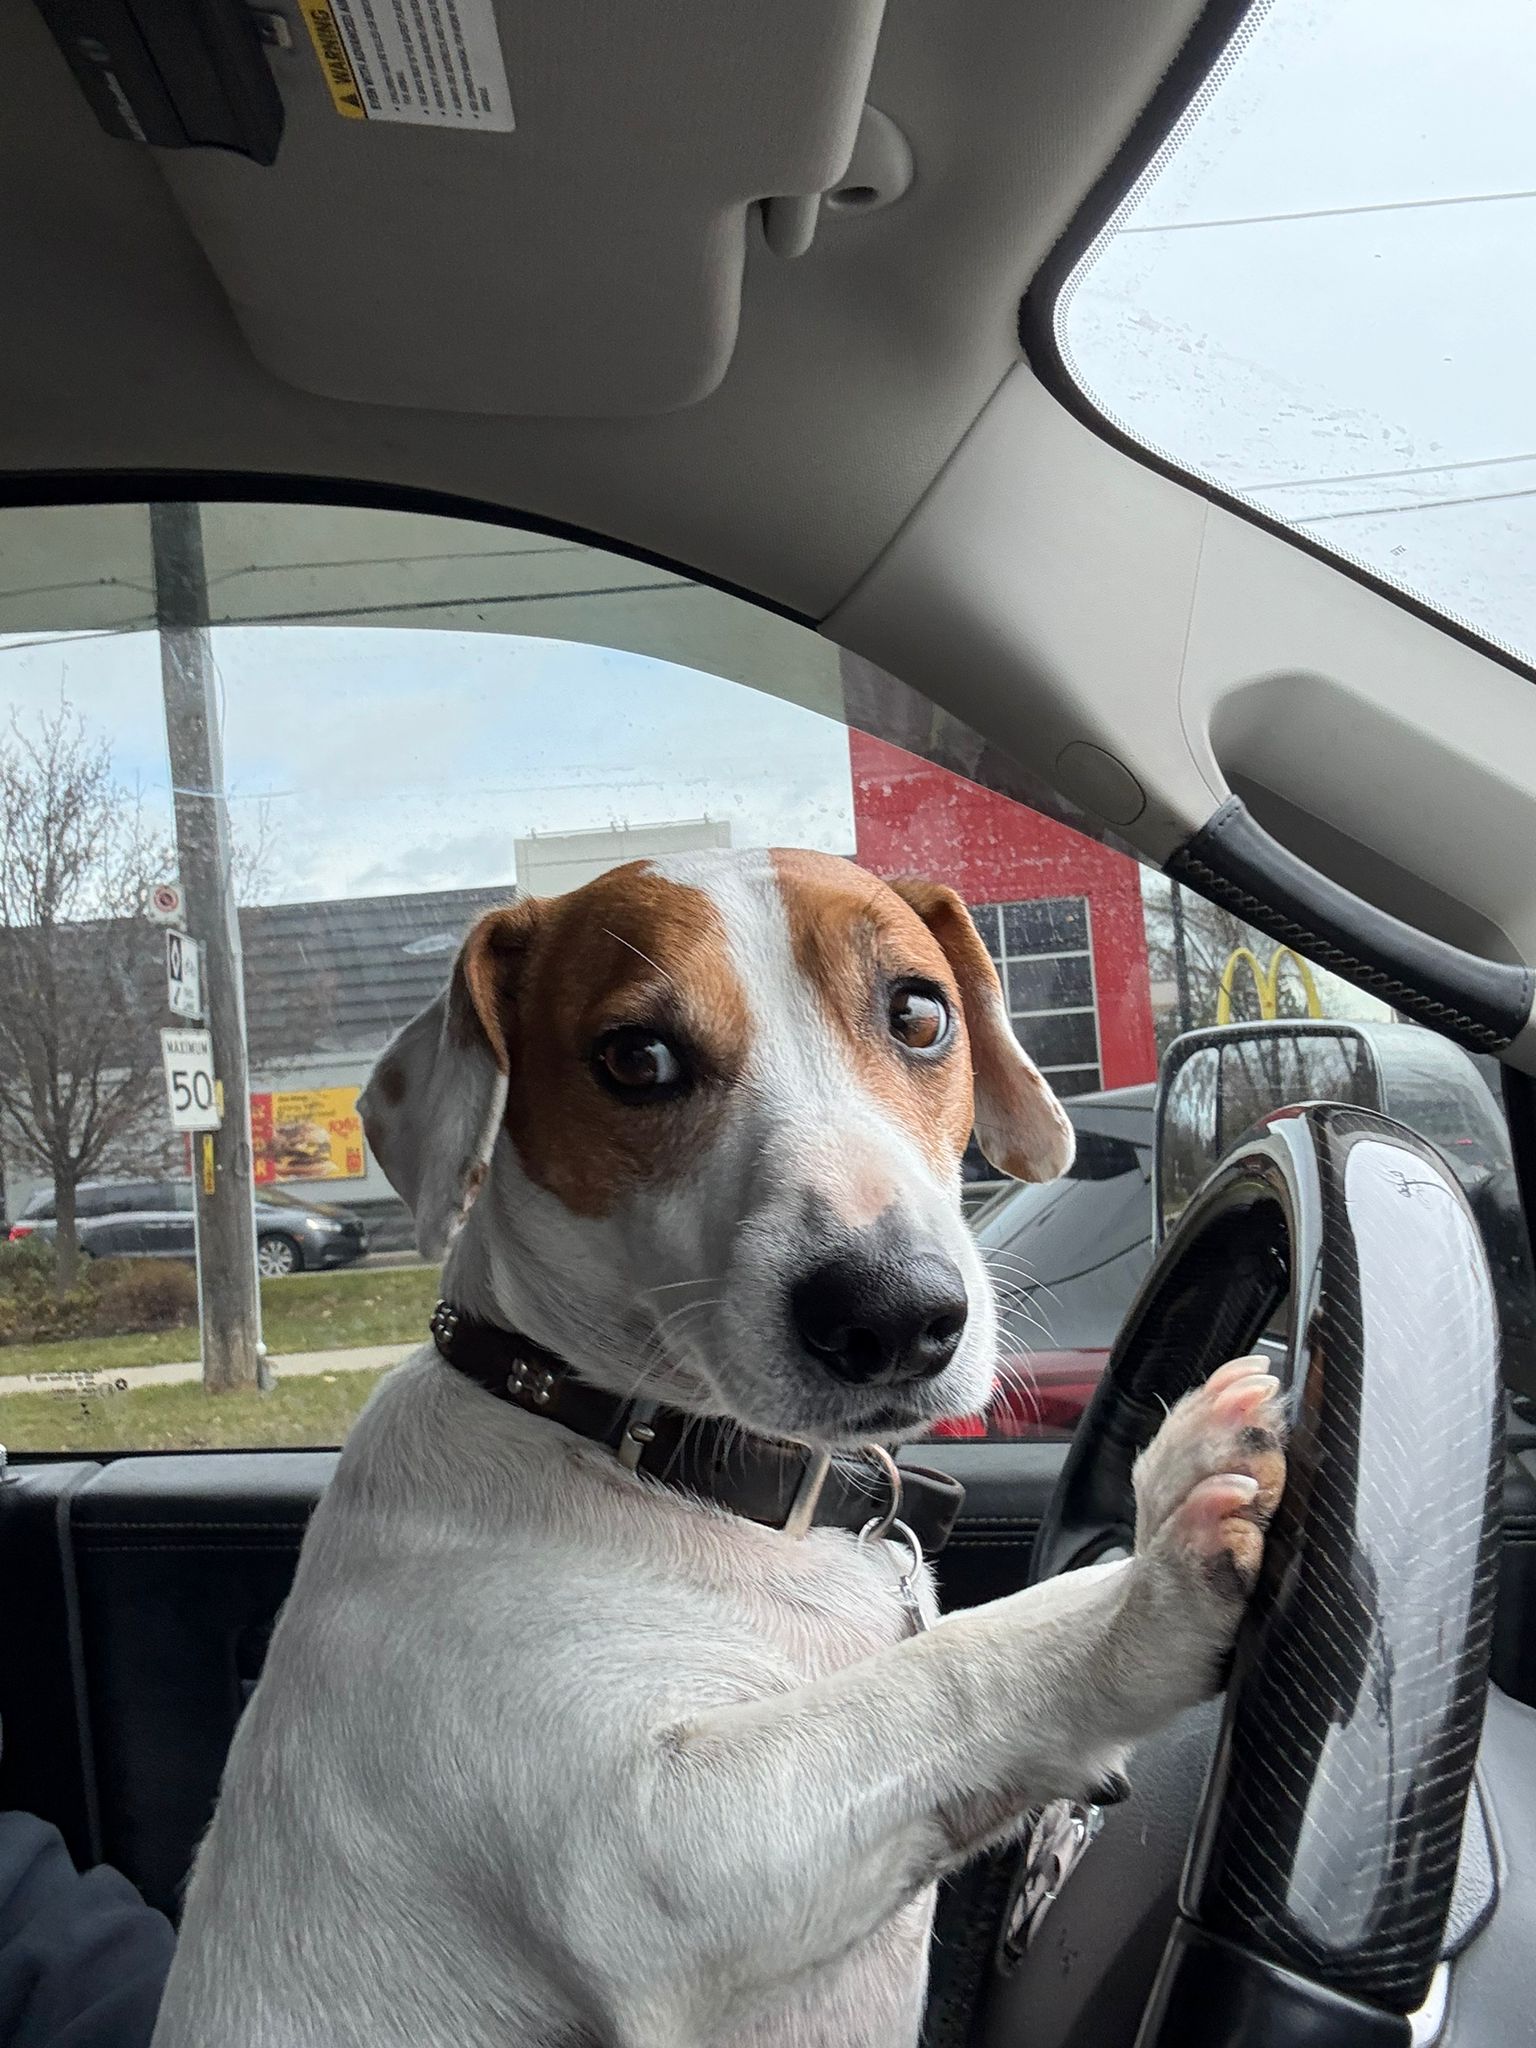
(346, 975)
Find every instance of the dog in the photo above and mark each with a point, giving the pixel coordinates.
(552, 1751)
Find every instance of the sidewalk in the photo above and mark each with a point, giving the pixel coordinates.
(365, 1358)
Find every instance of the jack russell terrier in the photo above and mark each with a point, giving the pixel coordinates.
(605, 1709)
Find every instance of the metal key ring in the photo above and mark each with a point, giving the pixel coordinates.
(892, 1531)
(881, 1525)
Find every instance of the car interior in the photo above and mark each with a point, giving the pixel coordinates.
(741, 343)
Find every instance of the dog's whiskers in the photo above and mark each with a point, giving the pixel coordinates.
(674, 1287)
(658, 1354)
(1015, 1373)
(1011, 1314)
(1009, 1269)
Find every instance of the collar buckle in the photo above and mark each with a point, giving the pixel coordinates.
(802, 1509)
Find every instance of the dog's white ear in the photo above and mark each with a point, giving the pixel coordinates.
(1020, 1125)
(435, 1101)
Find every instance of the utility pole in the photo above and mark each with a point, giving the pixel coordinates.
(229, 1300)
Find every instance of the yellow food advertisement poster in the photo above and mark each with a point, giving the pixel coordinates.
(315, 1135)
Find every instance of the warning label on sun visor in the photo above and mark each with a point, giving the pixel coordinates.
(434, 63)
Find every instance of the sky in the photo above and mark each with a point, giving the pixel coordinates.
(1364, 369)
(385, 761)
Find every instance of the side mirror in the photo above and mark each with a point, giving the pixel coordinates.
(1216, 1085)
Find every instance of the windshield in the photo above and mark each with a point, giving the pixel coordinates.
(384, 787)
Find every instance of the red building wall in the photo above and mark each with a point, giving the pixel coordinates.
(914, 819)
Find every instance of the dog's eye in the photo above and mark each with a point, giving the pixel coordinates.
(919, 1019)
(634, 1061)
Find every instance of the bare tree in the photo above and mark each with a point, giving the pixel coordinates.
(253, 851)
(1207, 936)
(80, 995)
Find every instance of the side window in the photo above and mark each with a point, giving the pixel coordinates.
(418, 718)
(1245, 312)
(1101, 1158)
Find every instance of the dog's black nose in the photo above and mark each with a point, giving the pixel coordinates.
(872, 1319)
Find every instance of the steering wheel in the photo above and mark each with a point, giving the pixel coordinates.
(1318, 1880)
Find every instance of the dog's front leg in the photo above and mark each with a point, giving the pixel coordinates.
(787, 1830)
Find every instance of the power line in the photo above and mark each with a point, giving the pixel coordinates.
(1382, 476)
(1423, 505)
(440, 604)
(391, 561)
(78, 583)
(1253, 220)
(296, 568)
(435, 604)
(69, 639)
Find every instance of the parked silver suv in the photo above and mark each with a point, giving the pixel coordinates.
(153, 1219)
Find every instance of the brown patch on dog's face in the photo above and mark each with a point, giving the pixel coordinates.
(631, 950)
(858, 944)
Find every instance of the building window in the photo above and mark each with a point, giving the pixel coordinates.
(1043, 953)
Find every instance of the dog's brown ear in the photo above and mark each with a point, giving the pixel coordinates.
(435, 1101)
(1020, 1125)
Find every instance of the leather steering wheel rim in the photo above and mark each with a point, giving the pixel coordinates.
(1324, 1856)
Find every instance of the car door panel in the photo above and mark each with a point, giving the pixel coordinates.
(144, 1590)
(118, 1226)
(178, 1228)
(178, 1239)
(182, 1563)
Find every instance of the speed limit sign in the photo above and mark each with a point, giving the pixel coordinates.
(189, 1084)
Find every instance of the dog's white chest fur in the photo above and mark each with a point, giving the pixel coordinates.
(431, 1823)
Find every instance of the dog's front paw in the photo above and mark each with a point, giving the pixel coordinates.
(1208, 1482)
(1206, 1488)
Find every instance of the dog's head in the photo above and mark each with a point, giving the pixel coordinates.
(697, 1127)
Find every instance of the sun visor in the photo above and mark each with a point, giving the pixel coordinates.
(538, 208)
